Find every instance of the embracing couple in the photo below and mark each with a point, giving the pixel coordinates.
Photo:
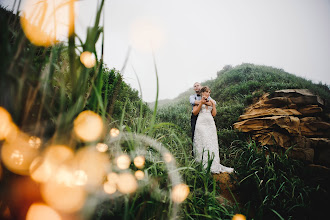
(204, 132)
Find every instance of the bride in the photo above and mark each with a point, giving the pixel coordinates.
(206, 139)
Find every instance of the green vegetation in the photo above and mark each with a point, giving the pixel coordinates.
(44, 89)
(271, 186)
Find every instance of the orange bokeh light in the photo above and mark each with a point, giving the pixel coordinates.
(139, 174)
(123, 161)
(239, 217)
(8, 129)
(109, 187)
(102, 147)
(168, 157)
(39, 211)
(88, 59)
(93, 164)
(17, 155)
(126, 183)
(114, 132)
(47, 22)
(63, 197)
(88, 126)
(180, 192)
(34, 142)
(42, 168)
(139, 161)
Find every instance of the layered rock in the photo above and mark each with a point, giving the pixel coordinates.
(291, 118)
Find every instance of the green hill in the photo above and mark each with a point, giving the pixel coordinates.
(234, 89)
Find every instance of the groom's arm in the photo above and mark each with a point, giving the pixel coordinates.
(193, 100)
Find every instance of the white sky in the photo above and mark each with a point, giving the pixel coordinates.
(193, 39)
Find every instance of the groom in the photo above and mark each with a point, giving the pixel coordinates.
(195, 100)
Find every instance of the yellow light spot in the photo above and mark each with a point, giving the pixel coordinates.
(139, 174)
(88, 59)
(239, 217)
(88, 126)
(123, 161)
(62, 197)
(168, 157)
(109, 187)
(40, 170)
(80, 178)
(114, 132)
(180, 193)
(127, 183)
(34, 142)
(39, 211)
(102, 147)
(93, 163)
(139, 162)
(17, 155)
(47, 22)
(113, 177)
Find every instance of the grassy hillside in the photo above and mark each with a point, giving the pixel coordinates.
(234, 89)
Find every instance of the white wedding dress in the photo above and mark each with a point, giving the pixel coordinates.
(206, 141)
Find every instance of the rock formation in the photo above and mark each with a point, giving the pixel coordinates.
(291, 118)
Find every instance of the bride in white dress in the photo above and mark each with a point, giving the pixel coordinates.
(206, 138)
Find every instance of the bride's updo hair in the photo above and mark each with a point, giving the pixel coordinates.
(204, 89)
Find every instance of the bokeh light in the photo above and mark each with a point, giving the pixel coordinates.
(7, 127)
(88, 126)
(127, 183)
(102, 147)
(123, 161)
(34, 142)
(87, 59)
(39, 211)
(180, 192)
(46, 22)
(113, 177)
(139, 161)
(62, 197)
(80, 178)
(17, 155)
(64, 176)
(58, 154)
(93, 163)
(109, 187)
(239, 217)
(168, 157)
(139, 174)
(114, 132)
(40, 170)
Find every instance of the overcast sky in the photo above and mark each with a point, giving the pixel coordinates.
(193, 39)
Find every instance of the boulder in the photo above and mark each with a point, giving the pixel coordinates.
(291, 118)
(288, 123)
(314, 127)
(310, 110)
(256, 113)
(300, 96)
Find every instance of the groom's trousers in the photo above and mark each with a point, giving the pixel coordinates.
(193, 120)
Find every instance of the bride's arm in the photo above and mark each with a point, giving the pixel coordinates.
(214, 109)
(198, 107)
